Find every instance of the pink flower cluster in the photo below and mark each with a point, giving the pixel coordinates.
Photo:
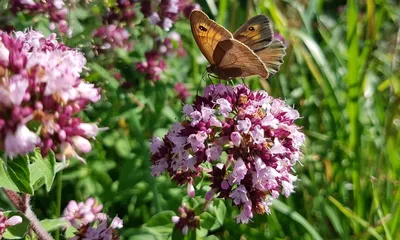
(8, 222)
(55, 9)
(121, 12)
(255, 131)
(82, 213)
(40, 92)
(90, 221)
(187, 6)
(280, 38)
(171, 46)
(186, 220)
(181, 91)
(167, 12)
(112, 37)
(153, 67)
(155, 64)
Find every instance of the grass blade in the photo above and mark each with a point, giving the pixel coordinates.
(351, 215)
(295, 216)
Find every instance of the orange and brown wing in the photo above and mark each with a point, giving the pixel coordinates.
(256, 33)
(234, 59)
(272, 56)
(207, 33)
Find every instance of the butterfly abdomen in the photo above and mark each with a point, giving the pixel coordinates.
(226, 73)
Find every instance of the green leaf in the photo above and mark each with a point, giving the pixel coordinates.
(169, 113)
(112, 82)
(220, 210)
(161, 219)
(43, 27)
(161, 223)
(209, 222)
(123, 147)
(54, 224)
(5, 179)
(15, 175)
(211, 237)
(73, 18)
(42, 170)
(142, 234)
(81, 13)
(70, 231)
(109, 139)
(18, 231)
(124, 55)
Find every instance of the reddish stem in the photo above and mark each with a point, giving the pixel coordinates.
(23, 206)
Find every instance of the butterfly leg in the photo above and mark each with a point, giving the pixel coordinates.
(213, 76)
(202, 79)
(209, 78)
(243, 81)
(216, 77)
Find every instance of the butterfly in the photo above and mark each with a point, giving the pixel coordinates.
(251, 50)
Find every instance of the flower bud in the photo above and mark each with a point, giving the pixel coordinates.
(82, 144)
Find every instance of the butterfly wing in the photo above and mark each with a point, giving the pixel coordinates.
(234, 59)
(272, 56)
(256, 33)
(207, 33)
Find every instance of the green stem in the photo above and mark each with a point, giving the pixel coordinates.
(59, 195)
(196, 68)
(223, 5)
(150, 179)
(353, 107)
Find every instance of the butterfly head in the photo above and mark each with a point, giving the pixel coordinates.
(211, 68)
(214, 69)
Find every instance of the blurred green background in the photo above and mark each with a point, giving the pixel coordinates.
(342, 74)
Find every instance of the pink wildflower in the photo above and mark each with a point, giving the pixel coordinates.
(255, 131)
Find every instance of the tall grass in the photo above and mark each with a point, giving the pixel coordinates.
(333, 74)
(340, 72)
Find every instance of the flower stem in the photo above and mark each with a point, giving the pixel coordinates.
(36, 226)
(23, 206)
(59, 193)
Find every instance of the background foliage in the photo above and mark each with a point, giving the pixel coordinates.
(340, 72)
